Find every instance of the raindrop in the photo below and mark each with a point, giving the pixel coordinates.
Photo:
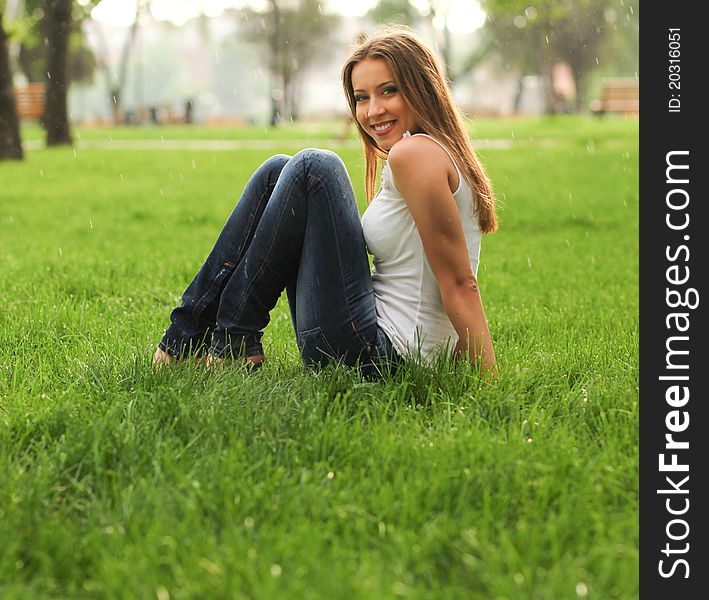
(546, 37)
(74, 150)
(49, 75)
(91, 224)
(597, 61)
(41, 172)
(194, 165)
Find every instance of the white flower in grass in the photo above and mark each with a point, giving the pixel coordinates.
(276, 570)
(581, 589)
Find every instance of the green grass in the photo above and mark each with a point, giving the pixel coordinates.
(117, 481)
(579, 128)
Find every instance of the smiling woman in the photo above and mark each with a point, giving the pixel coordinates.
(297, 227)
(380, 108)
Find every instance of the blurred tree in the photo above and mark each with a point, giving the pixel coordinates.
(116, 79)
(399, 12)
(10, 143)
(403, 12)
(296, 33)
(533, 38)
(32, 31)
(620, 50)
(439, 10)
(578, 40)
(58, 14)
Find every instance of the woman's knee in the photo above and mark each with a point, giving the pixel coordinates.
(319, 157)
(273, 165)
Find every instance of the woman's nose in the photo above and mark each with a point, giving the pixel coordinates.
(374, 109)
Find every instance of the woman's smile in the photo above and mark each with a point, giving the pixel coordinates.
(380, 107)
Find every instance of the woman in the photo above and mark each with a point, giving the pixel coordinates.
(297, 227)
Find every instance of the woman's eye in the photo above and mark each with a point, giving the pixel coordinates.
(388, 91)
(359, 98)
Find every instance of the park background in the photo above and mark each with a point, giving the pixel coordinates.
(119, 481)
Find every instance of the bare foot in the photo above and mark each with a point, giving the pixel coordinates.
(255, 362)
(161, 358)
(251, 362)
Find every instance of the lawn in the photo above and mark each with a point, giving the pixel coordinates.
(119, 481)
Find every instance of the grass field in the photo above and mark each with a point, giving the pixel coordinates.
(120, 482)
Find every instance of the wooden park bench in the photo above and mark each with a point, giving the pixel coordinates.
(618, 95)
(30, 101)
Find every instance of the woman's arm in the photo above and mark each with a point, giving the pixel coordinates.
(421, 171)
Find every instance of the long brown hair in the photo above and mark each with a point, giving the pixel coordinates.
(423, 86)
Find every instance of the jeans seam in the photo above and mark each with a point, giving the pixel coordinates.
(259, 271)
(200, 304)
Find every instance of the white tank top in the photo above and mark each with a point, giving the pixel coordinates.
(408, 300)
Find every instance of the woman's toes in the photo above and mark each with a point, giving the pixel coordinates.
(255, 362)
(161, 358)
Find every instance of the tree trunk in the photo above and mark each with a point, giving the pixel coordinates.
(26, 62)
(580, 82)
(56, 117)
(549, 100)
(10, 144)
(276, 62)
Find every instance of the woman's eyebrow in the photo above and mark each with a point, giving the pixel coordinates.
(381, 85)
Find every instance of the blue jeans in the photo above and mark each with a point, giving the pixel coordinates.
(296, 227)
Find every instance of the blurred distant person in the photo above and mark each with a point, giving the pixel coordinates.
(297, 227)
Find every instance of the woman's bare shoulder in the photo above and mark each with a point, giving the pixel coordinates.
(420, 158)
(414, 148)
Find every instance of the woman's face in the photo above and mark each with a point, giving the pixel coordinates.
(380, 107)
